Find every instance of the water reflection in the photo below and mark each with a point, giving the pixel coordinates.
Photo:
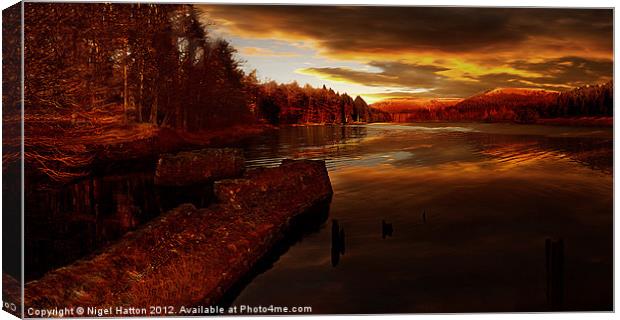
(403, 145)
(595, 153)
(71, 222)
(339, 143)
(301, 227)
(496, 195)
(554, 257)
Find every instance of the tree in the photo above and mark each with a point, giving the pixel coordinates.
(360, 109)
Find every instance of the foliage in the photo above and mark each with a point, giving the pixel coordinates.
(154, 60)
(292, 104)
(591, 100)
(526, 106)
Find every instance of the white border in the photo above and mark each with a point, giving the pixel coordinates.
(489, 3)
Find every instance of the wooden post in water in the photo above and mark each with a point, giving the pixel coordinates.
(337, 248)
(554, 253)
(386, 229)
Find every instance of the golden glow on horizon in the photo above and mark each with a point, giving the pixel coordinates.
(265, 52)
(466, 71)
(319, 74)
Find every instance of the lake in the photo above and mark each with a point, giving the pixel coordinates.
(441, 217)
(470, 205)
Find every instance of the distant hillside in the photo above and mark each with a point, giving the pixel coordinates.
(508, 98)
(521, 105)
(519, 91)
(504, 104)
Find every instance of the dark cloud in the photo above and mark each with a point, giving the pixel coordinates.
(572, 71)
(559, 73)
(394, 29)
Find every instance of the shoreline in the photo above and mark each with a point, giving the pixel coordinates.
(578, 122)
(569, 122)
(189, 256)
(125, 145)
(119, 146)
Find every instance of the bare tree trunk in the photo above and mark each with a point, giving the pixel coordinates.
(140, 97)
(154, 109)
(178, 113)
(125, 90)
(185, 119)
(178, 117)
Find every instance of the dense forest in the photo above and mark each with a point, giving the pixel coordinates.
(520, 106)
(596, 100)
(290, 104)
(152, 63)
(143, 62)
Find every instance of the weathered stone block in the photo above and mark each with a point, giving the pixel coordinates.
(202, 166)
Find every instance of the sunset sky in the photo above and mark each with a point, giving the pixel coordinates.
(381, 52)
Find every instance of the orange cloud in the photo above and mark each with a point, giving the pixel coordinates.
(264, 52)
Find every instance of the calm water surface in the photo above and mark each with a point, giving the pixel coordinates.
(469, 207)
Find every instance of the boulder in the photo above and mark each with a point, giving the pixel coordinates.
(291, 181)
(201, 166)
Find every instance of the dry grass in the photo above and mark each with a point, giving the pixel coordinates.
(59, 149)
